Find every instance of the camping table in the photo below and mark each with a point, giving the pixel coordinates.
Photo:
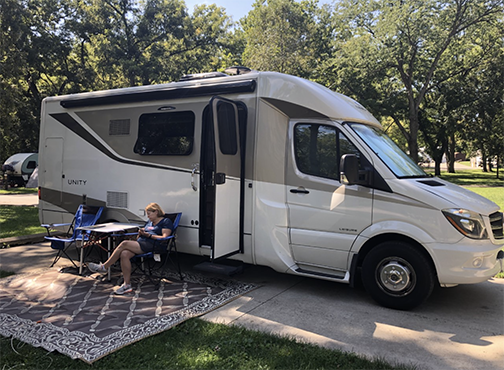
(96, 233)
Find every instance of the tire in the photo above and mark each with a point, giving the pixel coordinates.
(397, 275)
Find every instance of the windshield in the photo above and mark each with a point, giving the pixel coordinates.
(395, 159)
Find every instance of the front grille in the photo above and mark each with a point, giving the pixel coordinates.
(496, 221)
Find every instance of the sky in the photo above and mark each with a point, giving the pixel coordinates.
(234, 8)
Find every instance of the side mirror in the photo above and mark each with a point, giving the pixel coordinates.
(349, 169)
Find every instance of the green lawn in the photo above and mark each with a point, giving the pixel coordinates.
(474, 177)
(197, 344)
(19, 221)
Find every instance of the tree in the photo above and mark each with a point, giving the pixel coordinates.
(55, 47)
(483, 123)
(279, 36)
(397, 47)
(34, 52)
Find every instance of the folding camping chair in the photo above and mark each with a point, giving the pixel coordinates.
(166, 248)
(85, 216)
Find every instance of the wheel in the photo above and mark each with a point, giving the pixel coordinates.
(397, 275)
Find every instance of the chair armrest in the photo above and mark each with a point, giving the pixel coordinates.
(164, 239)
(53, 226)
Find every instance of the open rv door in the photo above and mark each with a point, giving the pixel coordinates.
(228, 179)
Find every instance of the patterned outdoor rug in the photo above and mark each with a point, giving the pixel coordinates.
(81, 316)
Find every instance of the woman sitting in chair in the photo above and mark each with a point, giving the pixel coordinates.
(158, 227)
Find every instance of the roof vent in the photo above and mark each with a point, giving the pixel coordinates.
(201, 76)
(237, 70)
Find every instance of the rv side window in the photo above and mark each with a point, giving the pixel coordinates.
(168, 133)
(318, 149)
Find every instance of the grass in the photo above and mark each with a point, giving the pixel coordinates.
(19, 221)
(197, 344)
(474, 177)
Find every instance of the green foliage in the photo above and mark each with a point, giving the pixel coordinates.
(391, 55)
(197, 344)
(19, 220)
(280, 36)
(55, 47)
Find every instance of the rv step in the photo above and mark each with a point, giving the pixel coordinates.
(219, 268)
(316, 273)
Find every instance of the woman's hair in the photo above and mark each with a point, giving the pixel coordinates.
(154, 207)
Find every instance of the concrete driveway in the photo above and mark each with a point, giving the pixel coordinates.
(18, 199)
(457, 328)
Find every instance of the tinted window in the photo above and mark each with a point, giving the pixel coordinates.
(318, 149)
(168, 133)
(227, 128)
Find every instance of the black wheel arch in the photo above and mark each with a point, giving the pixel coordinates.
(358, 259)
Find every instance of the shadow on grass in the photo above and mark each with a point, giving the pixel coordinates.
(474, 178)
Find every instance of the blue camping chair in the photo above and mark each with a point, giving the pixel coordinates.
(166, 247)
(85, 216)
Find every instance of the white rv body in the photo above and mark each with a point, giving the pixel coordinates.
(256, 175)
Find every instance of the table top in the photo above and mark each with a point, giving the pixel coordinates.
(110, 227)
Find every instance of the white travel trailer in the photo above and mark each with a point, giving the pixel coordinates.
(19, 167)
(272, 170)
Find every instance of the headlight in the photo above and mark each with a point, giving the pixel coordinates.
(467, 222)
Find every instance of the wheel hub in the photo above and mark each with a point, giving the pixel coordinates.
(394, 276)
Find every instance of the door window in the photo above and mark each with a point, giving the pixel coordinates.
(227, 128)
(318, 149)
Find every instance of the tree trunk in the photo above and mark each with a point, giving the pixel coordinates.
(413, 139)
(450, 154)
(437, 167)
(498, 162)
(484, 160)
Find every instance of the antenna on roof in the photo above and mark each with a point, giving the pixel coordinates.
(237, 70)
(201, 76)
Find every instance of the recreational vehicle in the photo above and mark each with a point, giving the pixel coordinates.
(268, 169)
(19, 167)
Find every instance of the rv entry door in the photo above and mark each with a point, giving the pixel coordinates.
(227, 178)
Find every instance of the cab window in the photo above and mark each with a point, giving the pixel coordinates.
(318, 149)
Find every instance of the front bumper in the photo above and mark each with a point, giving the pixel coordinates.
(467, 262)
